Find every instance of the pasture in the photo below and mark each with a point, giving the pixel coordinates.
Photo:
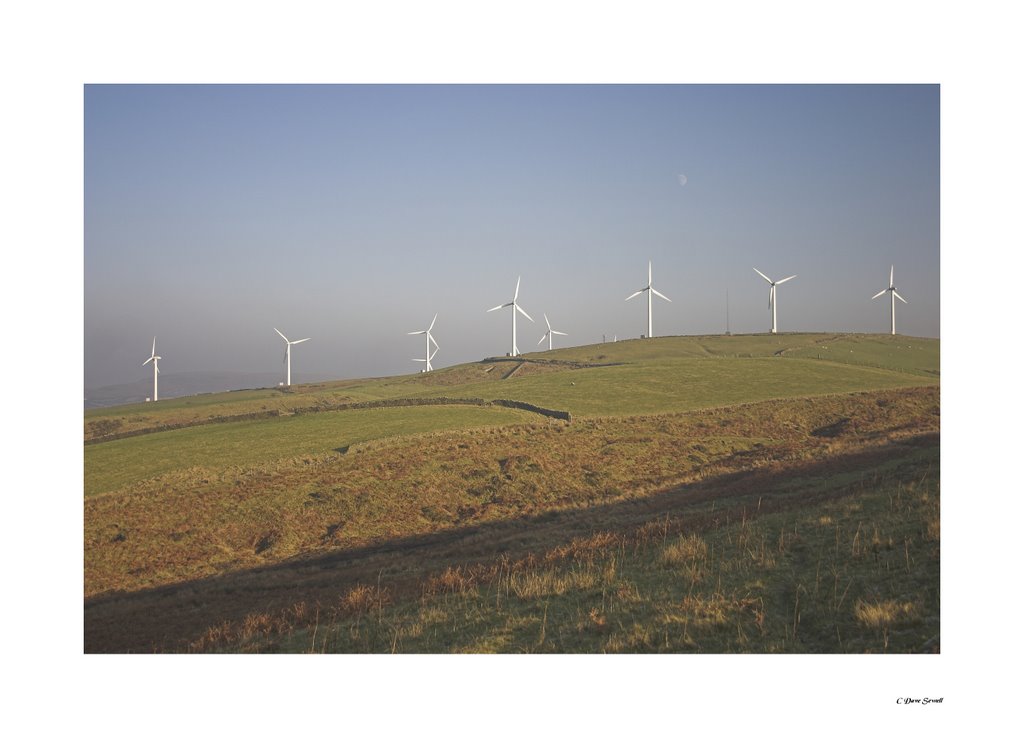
(272, 507)
(208, 449)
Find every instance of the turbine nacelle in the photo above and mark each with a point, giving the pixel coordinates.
(290, 343)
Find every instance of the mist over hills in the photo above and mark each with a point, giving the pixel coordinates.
(182, 384)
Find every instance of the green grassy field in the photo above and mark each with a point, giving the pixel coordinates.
(240, 514)
(900, 353)
(678, 384)
(848, 362)
(211, 448)
(674, 381)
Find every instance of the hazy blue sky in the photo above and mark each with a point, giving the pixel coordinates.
(351, 214)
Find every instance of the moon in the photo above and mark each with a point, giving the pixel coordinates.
(682, 180)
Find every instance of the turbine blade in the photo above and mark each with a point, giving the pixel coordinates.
(281, 334)
(157, 367)
(499, 307)
(433, 341)
(154, 346)
(301, 340)
(900, 297)
(419, 359)
(892, 268)
(659, 294)
(416, 333)
(547, 321)
(786, 279)
(762, 274)
(637, 293)
(516, 295)
(542, 338)
(881, 293)
(432, 323)
(148, 360)
(559, 333)
(648, 273)
(524, 313)
(433, 355)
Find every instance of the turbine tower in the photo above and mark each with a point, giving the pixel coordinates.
(649, 289)
(288, 356)
(515, 306)
(548, 334)
(156, 369)
(771, 295)
(893, 295)
(428, 340)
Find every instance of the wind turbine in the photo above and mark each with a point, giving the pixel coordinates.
(288, 356)
(892, 297)
(649, 289)
(771, 294)
(156, 369)
(429, 339)
(515, 306)
(548, 334)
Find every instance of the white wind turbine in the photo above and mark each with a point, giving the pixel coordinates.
(428, 340)
(549, 333)
(156, 369)
(649, 289)
(515, 306)
(771, 295)
(894, 294)
(288, 356)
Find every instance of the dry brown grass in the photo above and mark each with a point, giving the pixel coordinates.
(883, 614)
(174, 531)
(599, 587)
(685, 549)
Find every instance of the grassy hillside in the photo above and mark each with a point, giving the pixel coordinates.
(264, 500)
(677, 384)
(211, 448)
(901, 353)
(658, 375)
(855, 572)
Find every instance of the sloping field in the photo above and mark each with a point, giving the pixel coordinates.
(627, 377)
(207, 449)
(267, 501)
(898, 353)
(674, 385)
(793, 573)
(386, 496)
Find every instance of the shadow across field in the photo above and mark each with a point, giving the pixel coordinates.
(171, 618)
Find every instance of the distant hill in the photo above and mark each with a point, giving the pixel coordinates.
(183, 384)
